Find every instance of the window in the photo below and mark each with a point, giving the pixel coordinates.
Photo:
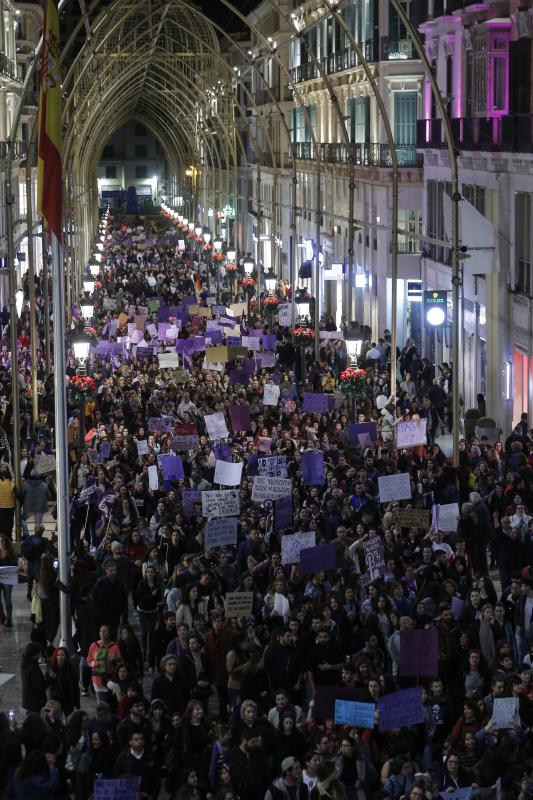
(140, 129)
(479, 80)
(108, 151)
(140, 151)
(111, 172)
(141, 172)
(523, 242)
(475, 196)
(409, 220)
(435, 219)
(359, 119)
(405, 116)
(300, 128)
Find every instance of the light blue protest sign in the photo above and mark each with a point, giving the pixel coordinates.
(351, 712)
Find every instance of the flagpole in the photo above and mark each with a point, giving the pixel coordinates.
(60, 408)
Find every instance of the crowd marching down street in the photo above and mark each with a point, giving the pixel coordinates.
(281, 588)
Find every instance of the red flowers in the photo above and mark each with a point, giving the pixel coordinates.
(353, 374)
(248, 282)
(82, 385)
(271, 300)
(218, 257)
(304, 333)
(231, 267)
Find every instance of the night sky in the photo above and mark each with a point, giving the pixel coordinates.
(220, 14)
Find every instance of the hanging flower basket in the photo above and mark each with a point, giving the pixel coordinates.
(352, 381)
(303, 335)
(80, 388)
(271, 301)
(231, 267)
(208, 247)
(218, 257)
(248, 283)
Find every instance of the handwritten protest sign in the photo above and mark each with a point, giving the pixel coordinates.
(158, 425)
(353, 713)
(116, 789)
(374, 557)
(153, 478)
(411, 434)
(394, 487)
(447, 517)
(45, 464)
(228, 473)
(220, 532)
(365, 429)
(413, 517)
(504, 712)
(293, 543)
(419, 652)
(221, 503)
(142, 447)
(189, 497)
(273, 466)
(9, 575)
(316, 402)
(284, 314)
(216, 425)
(400, 708)
(168, 360)
(239, 604)
(268, 488)
(271, 394)
(283, 513)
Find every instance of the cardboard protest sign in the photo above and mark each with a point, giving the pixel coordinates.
(190, 497)
(362, 434)
(283, 513)
(251, 342)
(313, 467)
(400, 708)
(374, 557)
(411, 434)
(45, 464)
(284, 315)
(183, 443)
(9, 576)
(220, 532)
(315, 559)
(447, 517)
(117, 789)
(267, 488)
(273, 466)
(228, 473)
(239, 604)
(153, 478)
(271, 394)
(172, 468)
(168, 360)
(353, 713)
(504, 712)
(240, 417)
(327, 696)
(238, 309)
(217, 354)
(216, 425)
(419, 652)
(413, 518)
(221, 503)
(316, 402)
(394, 487)
(158, 425)
(292, 543)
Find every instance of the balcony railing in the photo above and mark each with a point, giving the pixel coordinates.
(402, 50)
(264, 96)
(8, 67)
(513, 133)
(336, 62)
(18, 149)
(362, 155)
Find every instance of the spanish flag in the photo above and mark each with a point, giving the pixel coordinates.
(49, 195)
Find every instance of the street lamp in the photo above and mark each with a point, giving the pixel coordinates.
(88, 285)
(207, 236)
(87, 308)
(354, 339)
(217, 245)
(95, 269)
(270, 281)
(81, 344)
(231, 255)
(248, 265)
(302, 307)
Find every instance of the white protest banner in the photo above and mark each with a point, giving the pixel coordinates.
(411, 434)
(110, 304)
(447, 517)
(239, 604)
(504, 712)
(267, 488)
(271, 394)
(220, 532)
(86, 494)
(152, 330)
(142, 447)
(227, 473)
(168, 360)
(284, 314)
(221, 503)
(153, 478)
(331, 334)
(9, 575)
(394, 487)
(374, 557)
(216, 425)
(273, 466)
(173, 331)
(293, 543)
(251, 342)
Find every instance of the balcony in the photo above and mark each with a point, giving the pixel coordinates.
(336, 62)
(513, 133)
(264, 96)
(8, 67)
(18, 149)
(362, 155)
(31, 99)
(402, 50)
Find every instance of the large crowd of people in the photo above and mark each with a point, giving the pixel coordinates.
(236, 640)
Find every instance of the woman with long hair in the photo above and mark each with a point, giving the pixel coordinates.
(189, 742)
(8, 558)
(35, 777)
(130, 650)
(149, 603)
(77, 763)
(65, 687)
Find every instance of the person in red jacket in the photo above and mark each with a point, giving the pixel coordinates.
(217, 644)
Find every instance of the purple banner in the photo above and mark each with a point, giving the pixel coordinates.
(252, 467)
(283, 513)
(269, 341)
(172, 468)
(239, 376)
(315, 559)
(233, 341)
(188, 498)
(364, 432)
(266, 360)
(222, 452)
(316, 402)
(419, 653)
(313, 468)
(158, 425)
(240, 417)
(400, 708)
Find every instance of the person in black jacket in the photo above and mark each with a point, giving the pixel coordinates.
(248, 765)
(89, 618)
(136, 760)
(164, 634)
(114, 598)
(34, 683)
(65, 687)
(171, 686)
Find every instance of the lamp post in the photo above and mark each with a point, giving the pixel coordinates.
(231, 268)
(271, 301)
(87, 308)
(248, 266)
(79, 390)
(217, 248)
